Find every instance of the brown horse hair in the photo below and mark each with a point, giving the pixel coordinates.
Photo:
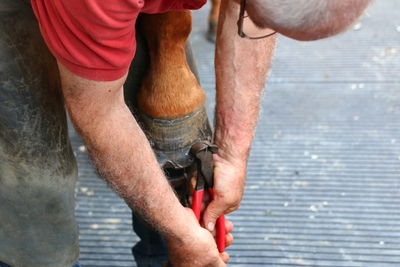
(169, 89)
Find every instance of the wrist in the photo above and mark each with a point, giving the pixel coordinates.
(233, 147)
(182, 228)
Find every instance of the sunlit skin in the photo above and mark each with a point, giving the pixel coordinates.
(125, 159)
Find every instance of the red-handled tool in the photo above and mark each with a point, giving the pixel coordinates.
(202, 152)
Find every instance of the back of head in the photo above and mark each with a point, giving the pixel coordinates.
(306, 19)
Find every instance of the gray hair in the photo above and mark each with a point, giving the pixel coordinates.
(306, 19)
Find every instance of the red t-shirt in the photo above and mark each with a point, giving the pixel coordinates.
(95, 39)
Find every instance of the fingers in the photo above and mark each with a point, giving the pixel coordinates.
(228, 229)
(228, 240)
(206, 200)
(211, 214)
(224, 256)
(228, 225)
(228, 236)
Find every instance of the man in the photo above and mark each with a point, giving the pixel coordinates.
(93, 43)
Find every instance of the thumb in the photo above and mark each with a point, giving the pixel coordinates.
(211, 214)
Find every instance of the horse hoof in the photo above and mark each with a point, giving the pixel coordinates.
(172, 138)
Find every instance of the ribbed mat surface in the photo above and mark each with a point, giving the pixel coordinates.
(323, 181)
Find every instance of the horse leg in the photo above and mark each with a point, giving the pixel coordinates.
(168, 103)
(171, 101)
(213, 20)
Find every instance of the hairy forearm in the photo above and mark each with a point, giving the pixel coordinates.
(123, 156)
(241, 68)
(122, 153)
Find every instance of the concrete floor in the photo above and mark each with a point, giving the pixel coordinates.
(323, 181)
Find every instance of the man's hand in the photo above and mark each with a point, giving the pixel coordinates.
(198, 247)
(229, 177)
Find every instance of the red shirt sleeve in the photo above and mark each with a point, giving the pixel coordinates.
(159, 6)
(95, 39)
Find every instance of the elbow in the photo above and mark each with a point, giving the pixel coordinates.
(306, 20)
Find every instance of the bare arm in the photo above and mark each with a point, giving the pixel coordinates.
(115, 143)
(124, 157)
(241, 66)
